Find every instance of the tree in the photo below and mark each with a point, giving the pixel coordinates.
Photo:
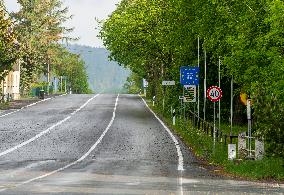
(8, 43)
(39, 24)
(155, 38)
(73, 67)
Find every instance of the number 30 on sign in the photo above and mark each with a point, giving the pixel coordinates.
(214, 93)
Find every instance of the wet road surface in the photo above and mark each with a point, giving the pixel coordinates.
(102, 144)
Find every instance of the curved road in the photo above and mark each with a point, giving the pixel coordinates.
(103, 144)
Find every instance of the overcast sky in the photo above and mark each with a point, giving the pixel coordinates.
(85, 12)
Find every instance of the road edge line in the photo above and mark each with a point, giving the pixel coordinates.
(27, 106)
(178, 148)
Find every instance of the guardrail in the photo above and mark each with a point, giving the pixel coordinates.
(208, 128)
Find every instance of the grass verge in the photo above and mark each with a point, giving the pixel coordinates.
(268, 169)
(4, 105)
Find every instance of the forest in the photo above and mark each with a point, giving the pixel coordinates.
(103, 75)
(155, 38)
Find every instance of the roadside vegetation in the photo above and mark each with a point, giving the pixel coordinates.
(32, 37)
(269, 169)
(155, 38)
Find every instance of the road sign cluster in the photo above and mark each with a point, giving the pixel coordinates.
(189, 78)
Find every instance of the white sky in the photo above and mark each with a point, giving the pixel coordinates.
(85, 12)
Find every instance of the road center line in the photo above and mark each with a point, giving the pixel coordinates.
(80, 159)
(179, 153)
(47, 130)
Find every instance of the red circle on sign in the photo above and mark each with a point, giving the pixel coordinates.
(214, 93)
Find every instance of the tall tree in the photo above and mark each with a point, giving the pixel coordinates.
(40, 26)
(8, 43)
(155, 38)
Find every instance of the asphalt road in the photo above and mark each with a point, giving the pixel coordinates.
(103, 144)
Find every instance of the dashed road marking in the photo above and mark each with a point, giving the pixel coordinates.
(46, 131)
(80, 159)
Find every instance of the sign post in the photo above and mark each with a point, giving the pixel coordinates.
(154, 98)
(205, 85)
(249, 125)
(214, 94)
(198, 89)
(174, 116)
(181, 105)
(189, 78)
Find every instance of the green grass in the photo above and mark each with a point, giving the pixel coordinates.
(235, 130)
(270, 168)
(4, 106)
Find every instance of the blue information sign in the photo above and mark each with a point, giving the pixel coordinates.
(189, 75)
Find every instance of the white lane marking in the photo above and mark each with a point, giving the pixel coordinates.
(180, 185)
(46, 131)
(179, 153)
(80, 159)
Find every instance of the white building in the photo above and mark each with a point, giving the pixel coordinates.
(11, 84)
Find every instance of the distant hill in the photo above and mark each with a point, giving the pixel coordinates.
(104, 75)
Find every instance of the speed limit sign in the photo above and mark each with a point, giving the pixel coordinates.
(214, 93)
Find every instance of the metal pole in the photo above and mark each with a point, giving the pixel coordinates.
(249, 125)
(183, 108)
(181, 104)
(61, 83)
(205, 72)
(174, 117)
(219, 115)
(232, 98)
(164, 94)
(194, 116)
(65, 84)
(48, 79)
(249, 139)
(3, 90)
(198, 89)
(214, 135)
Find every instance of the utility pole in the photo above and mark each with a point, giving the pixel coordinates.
(198, 89)
(219, 100)
(65, 84)
(61, 84)
(205, 75)
(232, 98)
(48, 77)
